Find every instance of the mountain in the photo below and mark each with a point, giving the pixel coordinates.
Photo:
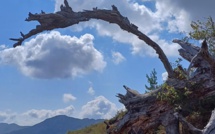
(99, 128)
(57, 125)
(7, 128)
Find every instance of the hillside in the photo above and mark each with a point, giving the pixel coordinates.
(57, 125)
(7, 128)
(99, 128)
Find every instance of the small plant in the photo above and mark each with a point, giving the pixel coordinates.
(185, 39)
(179, 71)
(152, 80)
(176, 63)
(173, 96)
(118, 116)
(169, 94)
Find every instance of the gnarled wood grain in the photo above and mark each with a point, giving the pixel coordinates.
(67, 17)
(145, 111)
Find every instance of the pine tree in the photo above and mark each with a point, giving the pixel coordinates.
(152, 80)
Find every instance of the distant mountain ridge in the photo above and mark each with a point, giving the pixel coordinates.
(7, 128)
(57, 125)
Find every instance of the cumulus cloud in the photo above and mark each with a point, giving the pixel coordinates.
(168, 15)
(117, 57)
(99, 108)
(7, 116)
(148, 21)
(3, 116)
(2, 47)
(171, 49)
(68, 98)
(34, 116)
(52, 55)
(179, 14)
(91, 91)
(164, 76)
(43, 114)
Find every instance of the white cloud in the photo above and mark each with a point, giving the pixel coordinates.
(175, 16)
(179, 14)
(99, 108)
(146, 0)
(44, 114)
(117, 57)
(3, 116)
(2, 47)
(169, 15)
(34, 116)
(52, 55)
(91, 91)
(68, 98)
(164, 76)
(148, 22)
(7, 116)
(170, 49)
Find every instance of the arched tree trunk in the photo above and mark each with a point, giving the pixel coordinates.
(145, 112)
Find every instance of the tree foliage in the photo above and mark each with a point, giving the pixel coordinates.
(152, 80)
(204, 30)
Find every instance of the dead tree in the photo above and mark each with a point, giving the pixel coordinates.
(144, 111)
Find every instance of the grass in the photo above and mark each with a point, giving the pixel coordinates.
(99, 128)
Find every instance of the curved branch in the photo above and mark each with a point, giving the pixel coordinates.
(201, 57)
(188, 51)
(208, 129)
(67, 17)
(187, 125)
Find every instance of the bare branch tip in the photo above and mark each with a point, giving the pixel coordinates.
(204, 44)
(114, 8)
(22, 34)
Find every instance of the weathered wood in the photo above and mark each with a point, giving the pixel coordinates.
(186, 124)
(67, 17)
(145, 112)
(188, 51)
(199, 57)
(210, 127)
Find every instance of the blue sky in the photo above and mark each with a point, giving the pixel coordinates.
(77, 71)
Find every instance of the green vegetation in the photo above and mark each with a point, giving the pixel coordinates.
(118, 116)
(99, 128)
(178, 97)
(197, 111)
(152, 80)
(204, 30)
(173, 96)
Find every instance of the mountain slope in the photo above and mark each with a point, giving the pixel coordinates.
(7, 128)
(57, 125)
(99, 128)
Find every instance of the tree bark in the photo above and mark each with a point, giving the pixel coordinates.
(67, 17)
(148, 112)
(145, 112)
(209, 128)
